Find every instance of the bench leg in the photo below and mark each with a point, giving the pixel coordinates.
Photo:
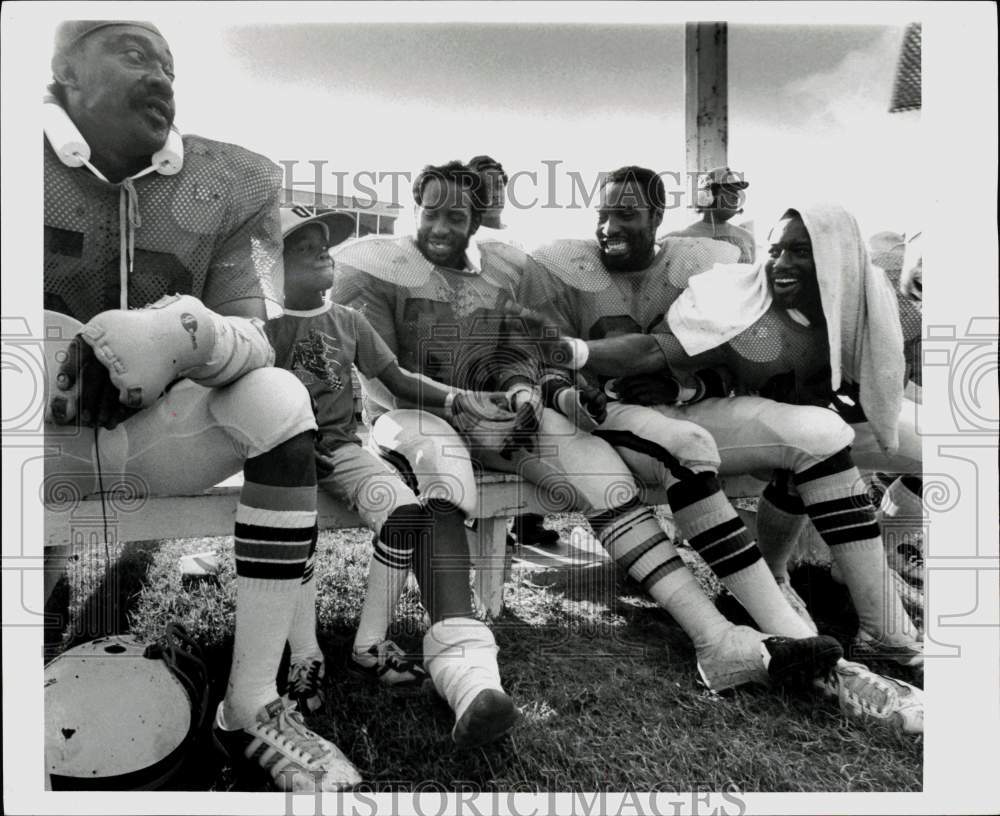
(490, 560)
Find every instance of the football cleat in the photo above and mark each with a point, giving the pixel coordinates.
(862, 694)
(738, 658)
(305, 684)
(295, 759)
(388, 664)
(489, 716)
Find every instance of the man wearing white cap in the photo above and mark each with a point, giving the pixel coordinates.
(720, 198)
(180, 394)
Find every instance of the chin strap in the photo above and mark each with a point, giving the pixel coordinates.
(73, 151)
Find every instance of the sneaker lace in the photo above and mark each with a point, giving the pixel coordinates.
(305, 677)
(868, 688)
(289, 733)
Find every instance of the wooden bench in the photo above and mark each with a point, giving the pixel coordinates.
(73, 525)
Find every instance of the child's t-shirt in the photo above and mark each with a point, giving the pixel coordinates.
(319, 346)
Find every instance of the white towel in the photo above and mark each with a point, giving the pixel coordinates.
(866, 341)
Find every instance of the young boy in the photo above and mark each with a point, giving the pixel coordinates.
(319, 341)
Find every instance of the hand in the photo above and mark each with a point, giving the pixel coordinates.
(84, 391)
(586, 407)
(491, 405)
(647, 389)
(526, 403)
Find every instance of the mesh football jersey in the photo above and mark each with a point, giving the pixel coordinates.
(446, 324)
(724, 231)
(211, 231)
(572, 286)
(320, 347)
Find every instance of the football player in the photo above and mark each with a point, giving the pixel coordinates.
(442, 301)
(611, 296)
(136, 214)
(319, 341)
(719, 199)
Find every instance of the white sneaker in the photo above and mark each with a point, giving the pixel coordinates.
(389, 664)
(295, 758)
(863, 694)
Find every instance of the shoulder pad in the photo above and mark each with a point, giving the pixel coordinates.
(502, 263)
(701, 253)
(394, 260)
(576, 262)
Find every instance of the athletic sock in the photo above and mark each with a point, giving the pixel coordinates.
(460, 654)
(781, 519)
(711, 525)
(274, 530)
(302, 635)
(406, 529)
(837, 501)
(636, 541)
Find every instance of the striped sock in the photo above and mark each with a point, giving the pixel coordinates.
(837, 501)
(711, 525)
(274, 530)
(634, 538)
(781, 518)
(388, 570)
(302, 635)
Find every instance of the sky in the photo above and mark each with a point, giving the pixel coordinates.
(375, 100)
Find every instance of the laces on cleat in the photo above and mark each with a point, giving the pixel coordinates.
(305, 684)
(863, 694)
(294, 757)
(389, 664)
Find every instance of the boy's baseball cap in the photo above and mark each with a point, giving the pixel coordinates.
(294, 218)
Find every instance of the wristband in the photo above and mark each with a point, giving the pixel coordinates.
(449, 402)
(579, 351)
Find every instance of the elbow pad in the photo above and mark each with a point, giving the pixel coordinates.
(146, 349)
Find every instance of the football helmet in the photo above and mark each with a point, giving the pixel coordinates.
(122, 715)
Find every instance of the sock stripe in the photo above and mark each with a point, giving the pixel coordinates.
(256, 532)
(715, 534)
(286, 571)
(628, 558)
(840, 462)
(662, 571)
(625, 525)
(602, 520)
(737, 561)
(271, 551)
(392, 563)
(843, 519)
(833, 537)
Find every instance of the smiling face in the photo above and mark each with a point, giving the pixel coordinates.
(626, 227)
(444, 222)
(791, 269)
(118, 83)
(308, 267)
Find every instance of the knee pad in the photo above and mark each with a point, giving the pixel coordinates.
(812, 435)
(263, 409)
(697, 450)
(429, 454)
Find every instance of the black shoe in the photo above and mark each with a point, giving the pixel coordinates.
(799, 661)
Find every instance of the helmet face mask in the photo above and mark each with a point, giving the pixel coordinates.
(122, 715)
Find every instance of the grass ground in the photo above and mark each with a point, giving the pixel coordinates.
(605, 680)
